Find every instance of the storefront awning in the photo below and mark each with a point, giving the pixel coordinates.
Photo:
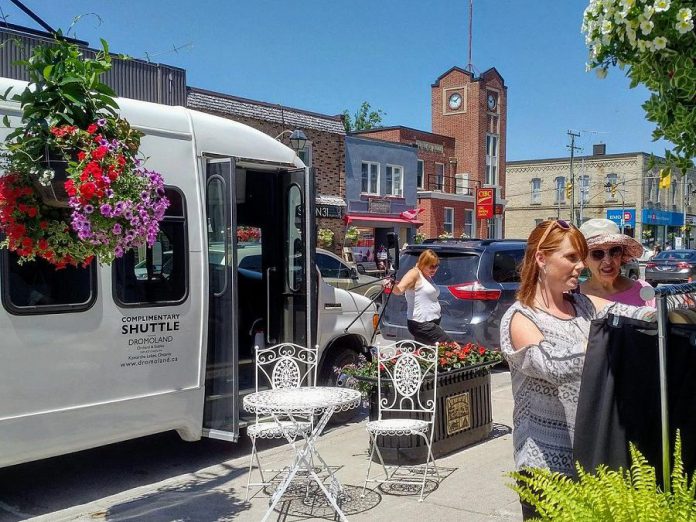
(373, 219)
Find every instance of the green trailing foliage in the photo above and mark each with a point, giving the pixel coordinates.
(613, 496)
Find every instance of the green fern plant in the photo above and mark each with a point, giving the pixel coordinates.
(612, 496)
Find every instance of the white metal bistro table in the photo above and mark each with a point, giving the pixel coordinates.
(290, 403)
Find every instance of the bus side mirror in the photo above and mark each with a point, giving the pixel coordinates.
(393, 244)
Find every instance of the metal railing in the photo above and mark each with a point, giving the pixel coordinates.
(450, 185)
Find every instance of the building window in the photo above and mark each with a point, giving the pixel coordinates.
(461, 183)
(419, 174)
(306, 154)
(491, 159)
(370, 177)
(674, 192)
(538, 221)
(584, 188)
(536, 191)
(469, 222)
(394, 180)
(439, 176)
(448, 225)
(560, 190)
(612, 180)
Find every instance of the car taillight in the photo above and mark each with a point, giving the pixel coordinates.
(474, 291)
(650, 265)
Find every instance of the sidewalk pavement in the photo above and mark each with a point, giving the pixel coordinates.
(473, 488)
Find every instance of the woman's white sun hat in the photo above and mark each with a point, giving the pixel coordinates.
(604, 233)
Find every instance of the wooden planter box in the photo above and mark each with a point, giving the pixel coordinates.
(463, 416)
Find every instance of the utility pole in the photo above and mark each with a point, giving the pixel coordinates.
(572, 148)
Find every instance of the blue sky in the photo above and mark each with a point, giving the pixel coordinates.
(330, 55)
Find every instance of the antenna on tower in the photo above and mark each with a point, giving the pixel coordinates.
(470, 65)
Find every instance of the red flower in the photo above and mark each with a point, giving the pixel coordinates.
(92, 128)
(70, 187)
(81, 155)
(87, 190)
(43, 244)
(481, 350)
(100, 152)
(32, 211)
(27, 243)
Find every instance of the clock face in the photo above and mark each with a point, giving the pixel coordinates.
(491, 102)
(455, 101)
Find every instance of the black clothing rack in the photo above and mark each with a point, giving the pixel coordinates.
(667, 298)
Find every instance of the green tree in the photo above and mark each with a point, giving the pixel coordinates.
(363, 119)
(654, 41)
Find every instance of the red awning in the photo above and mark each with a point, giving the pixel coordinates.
(381, 219)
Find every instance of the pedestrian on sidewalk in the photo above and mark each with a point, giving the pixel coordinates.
(543, 337)
(423, 308)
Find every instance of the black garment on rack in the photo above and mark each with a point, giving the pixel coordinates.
(620, 394)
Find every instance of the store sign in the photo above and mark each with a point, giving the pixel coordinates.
(328, 211)
(629, 216)
(379, 206)
(662, 217)
(485, 202)
(458, 413)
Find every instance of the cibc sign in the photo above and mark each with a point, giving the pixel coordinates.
(485, 203)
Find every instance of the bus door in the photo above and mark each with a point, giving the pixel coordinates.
(221, 415)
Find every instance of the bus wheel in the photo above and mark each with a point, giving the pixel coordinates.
(338, 357)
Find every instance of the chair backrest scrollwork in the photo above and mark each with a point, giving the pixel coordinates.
(402, 369)
(286, 365)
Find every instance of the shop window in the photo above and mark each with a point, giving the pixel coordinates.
(158, 275)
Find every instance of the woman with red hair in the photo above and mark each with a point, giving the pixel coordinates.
(543, 337)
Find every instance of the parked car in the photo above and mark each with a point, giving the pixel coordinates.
(337, 273)
(671, 266)
(631, 269)
(477, 279)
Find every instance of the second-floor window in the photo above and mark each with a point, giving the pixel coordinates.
(394, 180)
(612, 180)
(536, 191)
(306, 154)
(420, 173)
(584, 188)
(560, 190)
(673, 192)
(491, 159)
(461, 183)
(439, 176)
(448, 224)
(370, 177)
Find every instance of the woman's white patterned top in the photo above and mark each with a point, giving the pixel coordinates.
(546, 380)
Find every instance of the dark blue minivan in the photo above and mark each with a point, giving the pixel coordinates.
(477, 279)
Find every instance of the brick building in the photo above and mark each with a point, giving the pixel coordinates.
(621, 187)
(465, 150)
(324, 151)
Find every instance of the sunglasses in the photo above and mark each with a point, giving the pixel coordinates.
(614, 252)
(560, 223)
(435, 266)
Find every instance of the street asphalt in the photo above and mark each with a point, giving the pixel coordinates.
(472, 487)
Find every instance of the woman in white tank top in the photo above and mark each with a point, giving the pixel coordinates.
(423, 311)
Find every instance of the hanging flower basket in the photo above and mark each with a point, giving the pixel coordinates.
(74, 188)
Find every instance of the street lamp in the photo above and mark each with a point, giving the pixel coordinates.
(298, 140)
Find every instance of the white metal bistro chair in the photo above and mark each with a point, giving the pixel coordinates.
(284, 365)
(403, 366)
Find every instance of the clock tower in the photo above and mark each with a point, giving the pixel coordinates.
(473, 110)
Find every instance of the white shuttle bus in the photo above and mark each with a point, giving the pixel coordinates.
(163, 338)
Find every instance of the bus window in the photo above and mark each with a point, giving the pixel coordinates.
(37, 287)
(156, 275)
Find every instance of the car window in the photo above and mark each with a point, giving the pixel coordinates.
(677, 255)
(331, 267)
(506, 266)
(455, 268)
